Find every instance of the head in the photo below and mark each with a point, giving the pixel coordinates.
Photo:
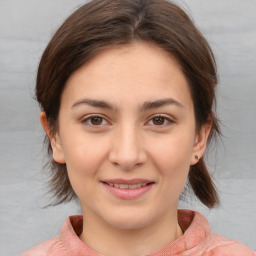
(102, 25)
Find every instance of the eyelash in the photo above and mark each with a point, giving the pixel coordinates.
(166, 119)
(85, 121)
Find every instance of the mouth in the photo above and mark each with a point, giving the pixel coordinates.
(128, 189)
(127, 186)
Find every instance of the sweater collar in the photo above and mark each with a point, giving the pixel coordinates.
(195, 227)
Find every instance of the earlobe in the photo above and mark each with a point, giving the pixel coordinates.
(200, 143)
(57, 151)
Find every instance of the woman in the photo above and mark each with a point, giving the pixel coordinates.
(127, 91)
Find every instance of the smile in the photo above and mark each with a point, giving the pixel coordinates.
(128, 189)
(127, 186)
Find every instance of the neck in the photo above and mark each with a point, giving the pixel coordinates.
(109, 240)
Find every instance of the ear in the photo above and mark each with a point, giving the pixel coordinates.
(57, 151)
(200, 143)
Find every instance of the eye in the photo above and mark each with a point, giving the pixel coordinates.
(94, 120)
(160, 120)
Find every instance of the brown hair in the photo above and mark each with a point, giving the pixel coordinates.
(101, 24)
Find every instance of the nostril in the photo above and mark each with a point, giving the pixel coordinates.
(115, 164)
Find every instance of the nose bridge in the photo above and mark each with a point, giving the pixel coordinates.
(127, 149)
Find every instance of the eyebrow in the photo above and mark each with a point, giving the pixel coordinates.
(159, 103)
(145, 106)
(94, 103)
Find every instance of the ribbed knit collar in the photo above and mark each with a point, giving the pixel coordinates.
(195, 227)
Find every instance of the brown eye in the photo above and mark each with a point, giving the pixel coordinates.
(96, 120)
(158, 120)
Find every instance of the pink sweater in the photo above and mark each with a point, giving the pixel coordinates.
(197, 240)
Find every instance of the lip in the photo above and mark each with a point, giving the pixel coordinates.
(128, 194)
(128, 182)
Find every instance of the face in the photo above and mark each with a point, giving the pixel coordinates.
(127, 134)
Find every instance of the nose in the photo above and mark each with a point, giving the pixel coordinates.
(127, 149)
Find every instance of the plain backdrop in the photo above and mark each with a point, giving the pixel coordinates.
(26, 27)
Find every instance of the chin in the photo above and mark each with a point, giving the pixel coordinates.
(130, 221)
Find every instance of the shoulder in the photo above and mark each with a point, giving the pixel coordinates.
(44, 249)
(221, 246)
(199, 240)
(62, 244)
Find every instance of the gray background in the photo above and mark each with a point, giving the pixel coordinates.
(26, 27)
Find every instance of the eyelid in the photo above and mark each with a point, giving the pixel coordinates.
(168, 118)
(88, 117)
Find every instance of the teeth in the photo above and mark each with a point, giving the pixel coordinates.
(133, 186)
(122, 186)
(127, 186)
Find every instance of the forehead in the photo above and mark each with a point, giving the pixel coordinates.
(137, 71)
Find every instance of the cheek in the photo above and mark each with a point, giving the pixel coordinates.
(172, 155)
(84, 155)
(84, 158)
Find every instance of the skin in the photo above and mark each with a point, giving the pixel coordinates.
(128, 142)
